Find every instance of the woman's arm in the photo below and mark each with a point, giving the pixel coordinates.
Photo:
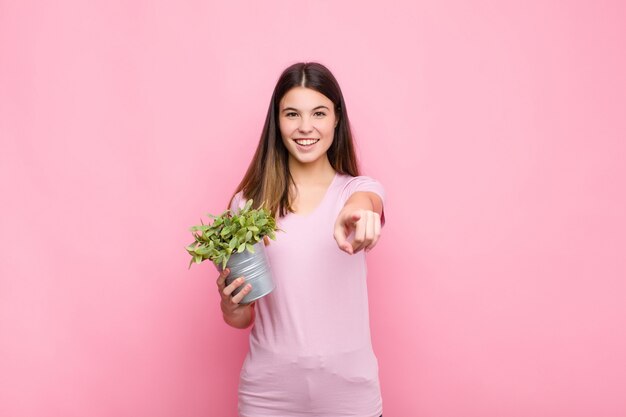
(365, 200)
(241, 318)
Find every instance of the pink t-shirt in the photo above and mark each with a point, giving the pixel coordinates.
(310, 347)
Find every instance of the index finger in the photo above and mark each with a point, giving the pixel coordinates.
(222, 277)
(341, 239)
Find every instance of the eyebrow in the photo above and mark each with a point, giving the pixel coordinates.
(318, 107)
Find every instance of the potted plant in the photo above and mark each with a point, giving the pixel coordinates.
(235, 240)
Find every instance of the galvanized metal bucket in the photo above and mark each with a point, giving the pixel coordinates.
(255, 268)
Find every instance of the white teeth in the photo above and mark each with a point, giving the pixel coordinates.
(306, 142)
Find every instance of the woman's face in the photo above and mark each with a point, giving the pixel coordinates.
(307, 124)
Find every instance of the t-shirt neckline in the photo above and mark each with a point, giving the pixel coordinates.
(322, 201)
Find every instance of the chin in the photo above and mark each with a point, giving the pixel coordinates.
(308, 159)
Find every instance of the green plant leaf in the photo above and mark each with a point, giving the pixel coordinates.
(231, 233)
(202, 251)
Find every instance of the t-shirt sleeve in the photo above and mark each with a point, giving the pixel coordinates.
(365, 183)
(237, 202)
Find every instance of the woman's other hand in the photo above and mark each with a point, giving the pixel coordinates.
(235, 314)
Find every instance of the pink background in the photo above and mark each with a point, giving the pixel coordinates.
(497, 128)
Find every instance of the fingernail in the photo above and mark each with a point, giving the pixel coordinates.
(240, 279)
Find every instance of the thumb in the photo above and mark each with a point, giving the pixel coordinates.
(341, 238)
(347, 247)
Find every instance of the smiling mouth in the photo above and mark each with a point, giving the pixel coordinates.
(306, 142)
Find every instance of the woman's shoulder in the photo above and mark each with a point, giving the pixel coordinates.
(347, 185)
(237, 201)
(351, 183)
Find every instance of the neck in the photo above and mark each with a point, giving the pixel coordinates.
(310, 174)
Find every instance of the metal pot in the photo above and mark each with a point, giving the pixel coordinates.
(255, 268)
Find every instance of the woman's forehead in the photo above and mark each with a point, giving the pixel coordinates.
(304, 98)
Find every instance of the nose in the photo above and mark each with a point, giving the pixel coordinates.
(305, 125)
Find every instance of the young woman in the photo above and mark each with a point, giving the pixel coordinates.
(310, 347)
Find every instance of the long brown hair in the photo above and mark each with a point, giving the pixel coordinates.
(267, 180)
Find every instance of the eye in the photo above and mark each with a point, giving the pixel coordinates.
(291, 114)
(320, 113)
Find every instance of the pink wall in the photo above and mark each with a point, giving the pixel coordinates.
(498, 130)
